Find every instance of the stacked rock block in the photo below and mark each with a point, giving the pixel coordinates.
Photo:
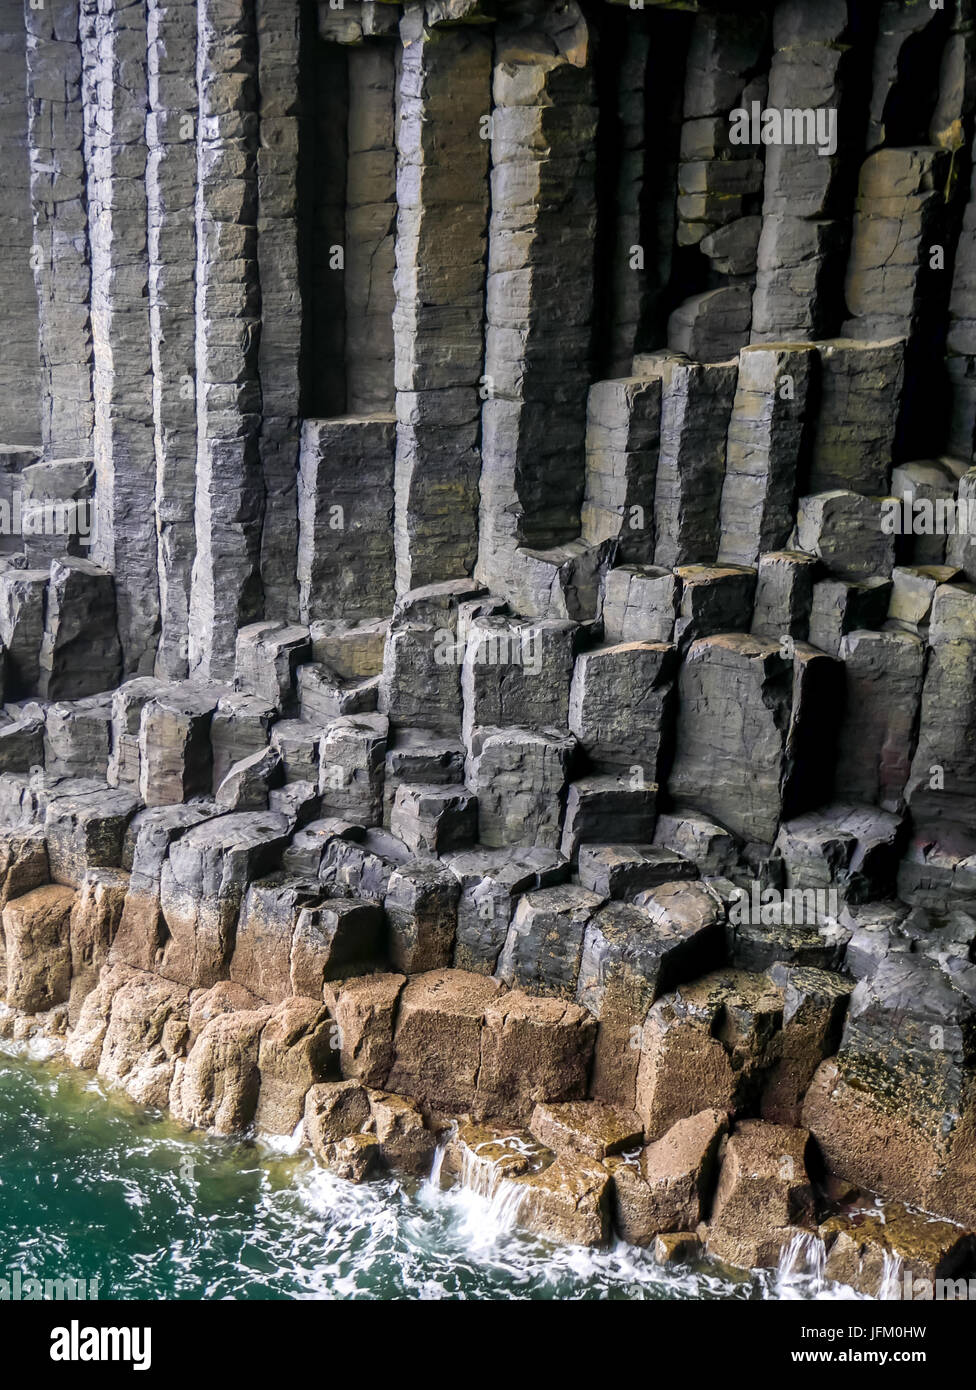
(564, 727)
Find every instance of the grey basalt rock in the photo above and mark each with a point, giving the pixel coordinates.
(735, 699)
(765, 453)
(171, 175)
(492, 881)
(225, 592)
(847, 532)
(419, 757)
(23, 594)
(352, 757)
(623, 426)
(128, 701)
(434, 820)
(241, 727)
(80, 653)
(601, 806)
(77, 737)
(62, 270)
(202, 886)
(116, 98)
(883, 673)
(517, 672)
(620, 704)
(854, 433)
(544, 946)
(444, 89)
(519, 776)
(345, 505)
(539, 297)
(175, 758)
(784, 594)
(640, 603)
(619, 871)
(695, 411)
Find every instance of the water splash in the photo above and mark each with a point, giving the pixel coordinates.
(94, 1184)
(892, 1275)
(801, 1265)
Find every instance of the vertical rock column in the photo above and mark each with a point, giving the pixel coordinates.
(281, 310)
(171, 174)
(442, 192)
(371, 219)
(115, 91)
(629, 286)
(20, 382)
(807, 194)
(62, 274)
(226, 587)
(891, 284)
(540, 292)
(719, 184)
(961, 337)
(695, 411)
(765, 452)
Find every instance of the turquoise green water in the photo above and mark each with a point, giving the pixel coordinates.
(93, 1187)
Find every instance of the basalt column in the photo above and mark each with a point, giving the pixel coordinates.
(808, 189)
(442, 192)
(371, 224)
(19, 367)
(171, 173)
(60, 260)
(540, 293)
(226, 589)
(281, 310)
(115, 91)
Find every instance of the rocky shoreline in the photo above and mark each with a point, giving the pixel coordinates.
(487, 602)
(706, 1128)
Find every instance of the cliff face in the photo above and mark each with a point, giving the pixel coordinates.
(487, 598)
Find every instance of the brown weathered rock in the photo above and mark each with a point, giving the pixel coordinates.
(218, 1084)
(707, 1046)
(567, 1202)
(364, 1009)
(36, 929)
(588, 1127)
(406, 1144)
(147, 1032)
(438, 1040)
(532, 1050)
(334, 1110)
(95, 919)
(763, 1188)
(883, 1253)
(671, 1186)
(295, 1053)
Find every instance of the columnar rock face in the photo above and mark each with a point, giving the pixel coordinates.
(522, 668)
(696, 406)
(229, 500)
(60, 252)
(345, 508)
(442, 194)
(539, 292)
(20, 381)
(277, 29)
(807, 188)
(766, 449)
(115, 90)
(171, 167)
